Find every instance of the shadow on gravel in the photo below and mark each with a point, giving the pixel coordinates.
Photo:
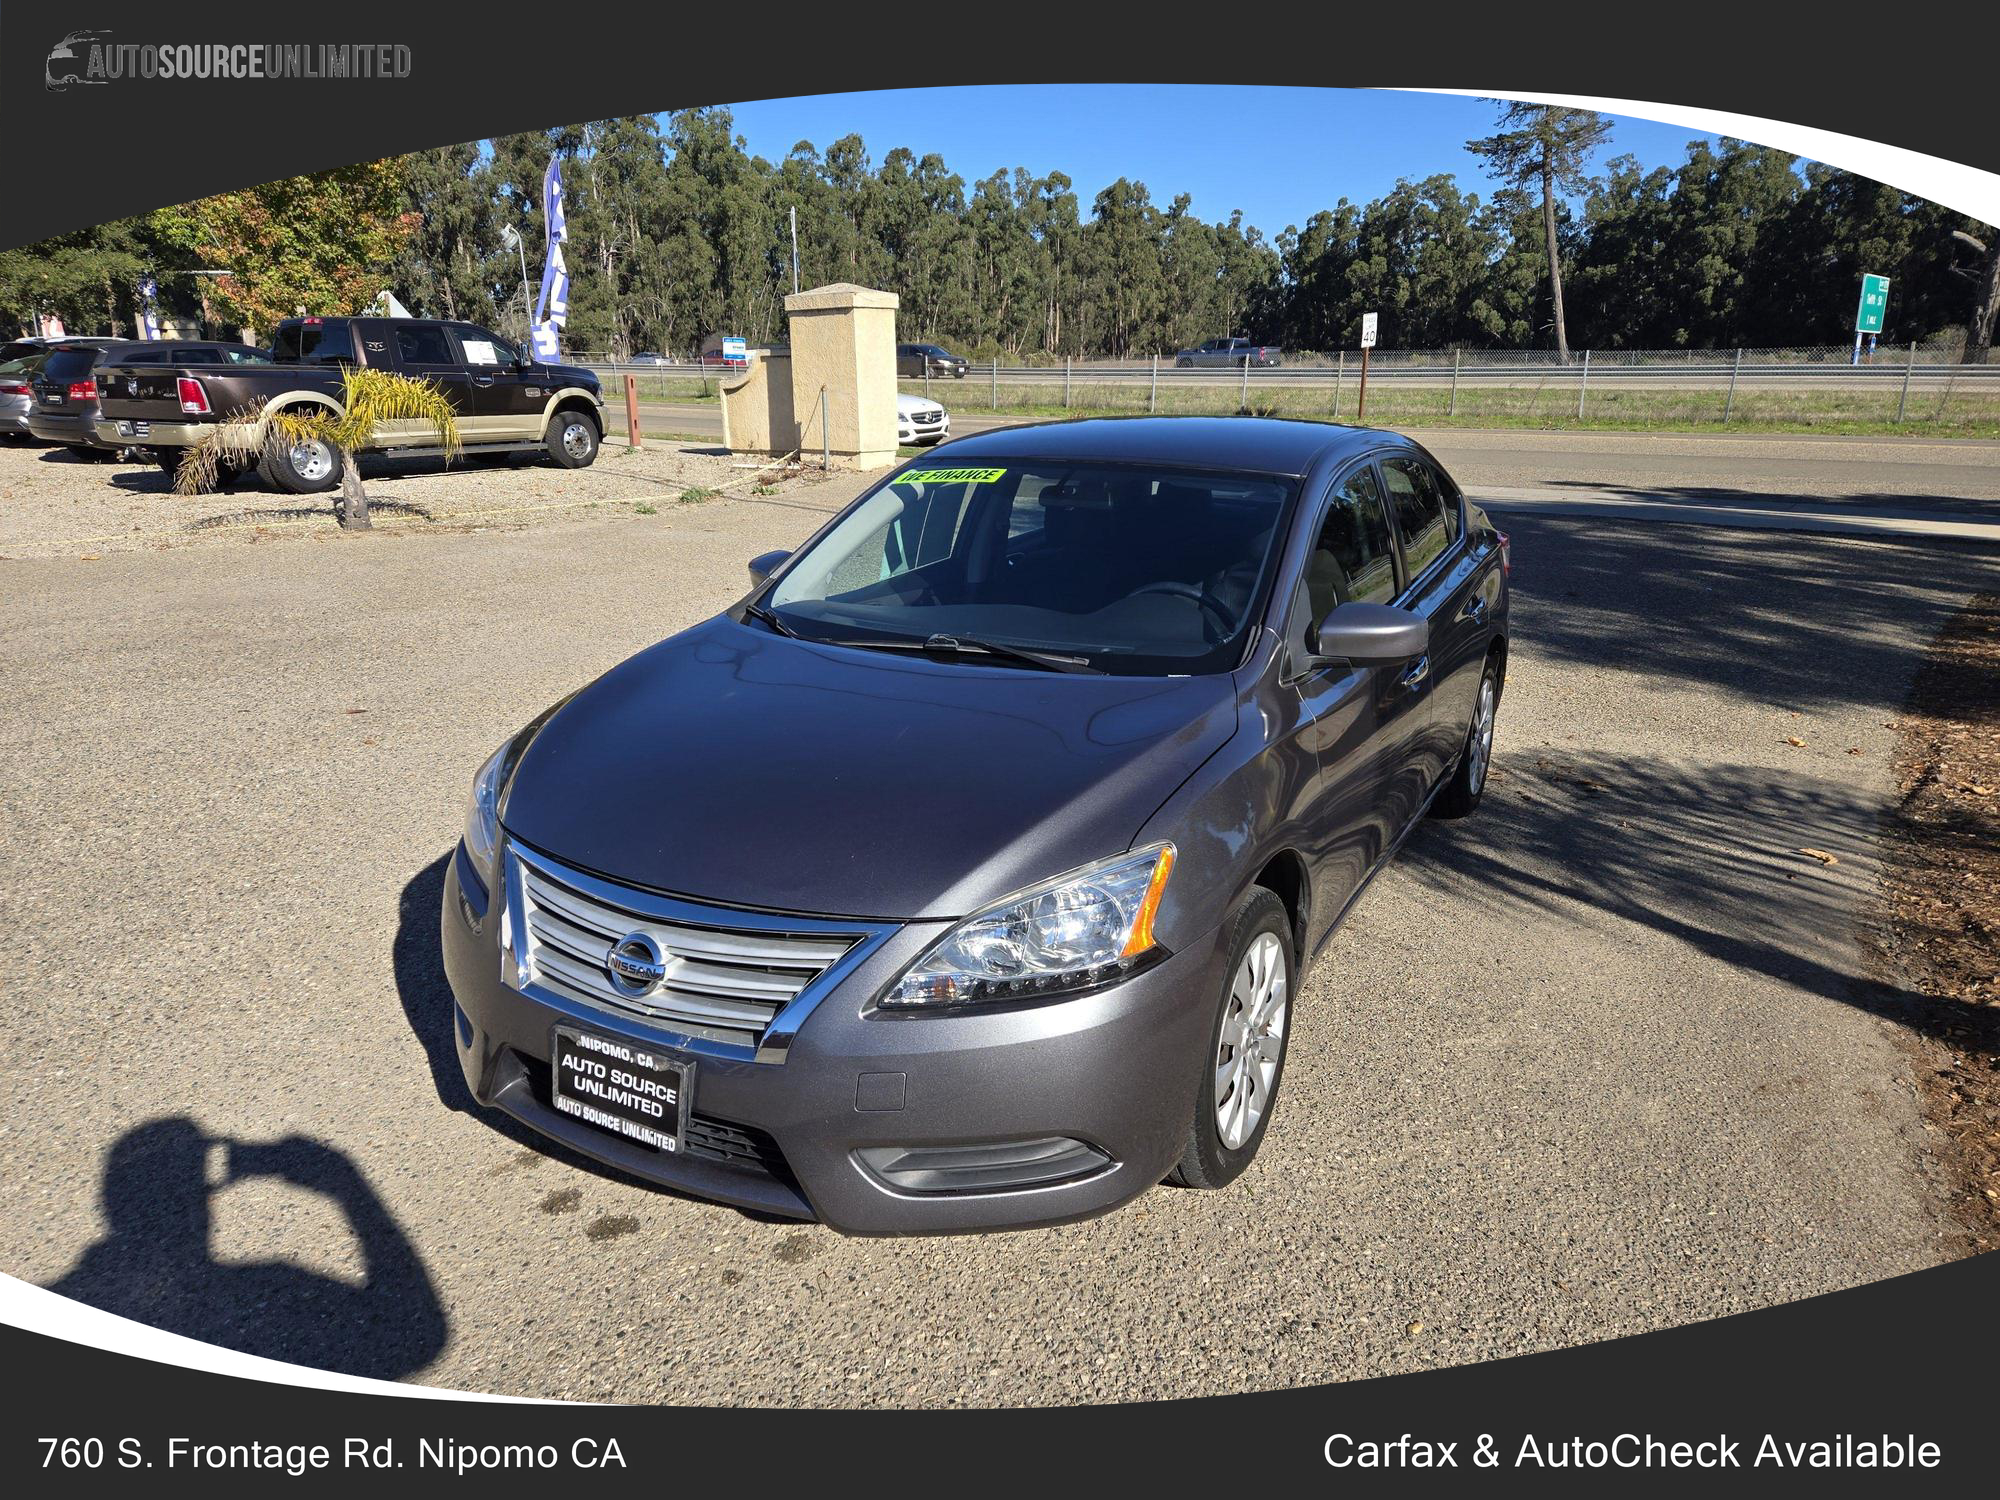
(155, 1265)
(1851, 502)
(424, 992)
(1714, 856)
(1794, 622)
(150, 479)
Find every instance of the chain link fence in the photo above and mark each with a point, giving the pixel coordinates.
(1917, 387)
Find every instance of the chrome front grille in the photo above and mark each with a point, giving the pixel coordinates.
(729, 975)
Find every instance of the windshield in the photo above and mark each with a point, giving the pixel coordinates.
(1136, 570)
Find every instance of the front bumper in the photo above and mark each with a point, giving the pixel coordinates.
(910, 435)
(1116, 1069)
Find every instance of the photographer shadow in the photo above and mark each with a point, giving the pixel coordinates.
(155, 1264)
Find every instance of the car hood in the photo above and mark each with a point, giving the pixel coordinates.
(569, 375)
(909, 406)
(733, 765)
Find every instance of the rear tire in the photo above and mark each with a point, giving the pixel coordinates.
(309, 468)
(1468, 783)
(573, 440)
(1237, 1087)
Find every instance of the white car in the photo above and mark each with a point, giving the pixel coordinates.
(920, 423)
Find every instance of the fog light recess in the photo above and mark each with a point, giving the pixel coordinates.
(991, 1168)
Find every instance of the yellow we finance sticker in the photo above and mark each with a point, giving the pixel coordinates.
(956, 476)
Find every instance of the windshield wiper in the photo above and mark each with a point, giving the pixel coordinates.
(967, 645)
(770, 618)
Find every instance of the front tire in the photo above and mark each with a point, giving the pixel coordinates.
(1468, 783)
(573, 440)
(1245, 1062)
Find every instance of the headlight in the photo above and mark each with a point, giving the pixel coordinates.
(482, 814)
(1077, 931)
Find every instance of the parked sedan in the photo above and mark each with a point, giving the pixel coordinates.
(914, 361)
(920, 421)
(17, 394)
(841, 905)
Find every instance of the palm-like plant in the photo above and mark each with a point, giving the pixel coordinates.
(369, 398)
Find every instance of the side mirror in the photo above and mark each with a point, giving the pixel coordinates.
(523, 360)
(1372, 634)
(764, 564)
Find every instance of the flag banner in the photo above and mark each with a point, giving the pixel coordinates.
(552, 307)
(149, 309)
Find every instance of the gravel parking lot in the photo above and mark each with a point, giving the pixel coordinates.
(53, 503)
(1597, 1061)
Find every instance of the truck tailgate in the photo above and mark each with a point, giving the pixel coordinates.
(146, 393)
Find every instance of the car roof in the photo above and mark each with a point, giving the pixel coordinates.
(1257, 445)
(99, 347)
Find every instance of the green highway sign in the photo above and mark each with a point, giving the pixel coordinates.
(1874, 303)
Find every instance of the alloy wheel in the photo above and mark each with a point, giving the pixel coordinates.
(1480, 747)
(1253, 1041)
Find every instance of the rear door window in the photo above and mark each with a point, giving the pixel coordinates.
(1419, 508)
(69, 364)
(423, 344)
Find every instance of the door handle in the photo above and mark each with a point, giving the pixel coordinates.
(1475, 609)
(482, 380)
(1418, 671)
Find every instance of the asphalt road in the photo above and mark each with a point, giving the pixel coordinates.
(1588, 1064)
(1953, 474)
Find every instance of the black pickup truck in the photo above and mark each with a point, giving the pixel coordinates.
(506, 401)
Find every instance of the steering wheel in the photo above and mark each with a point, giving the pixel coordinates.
(1205, 601)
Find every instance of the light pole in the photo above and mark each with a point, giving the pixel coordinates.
(511, 237)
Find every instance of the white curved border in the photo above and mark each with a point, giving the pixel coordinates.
(42, 1311)
(1966, 189)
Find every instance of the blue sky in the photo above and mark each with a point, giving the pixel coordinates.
(1279, 154)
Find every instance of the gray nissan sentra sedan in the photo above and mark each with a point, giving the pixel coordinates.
(960, 876)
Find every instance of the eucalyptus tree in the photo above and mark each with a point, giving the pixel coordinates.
(1545, 148)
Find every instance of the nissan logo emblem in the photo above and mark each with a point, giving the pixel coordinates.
(637, 964)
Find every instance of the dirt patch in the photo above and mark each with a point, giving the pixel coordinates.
(1939, 940)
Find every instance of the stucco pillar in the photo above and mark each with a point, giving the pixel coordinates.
(844, 344)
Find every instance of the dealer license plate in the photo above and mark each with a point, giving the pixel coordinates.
(620, 1087)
